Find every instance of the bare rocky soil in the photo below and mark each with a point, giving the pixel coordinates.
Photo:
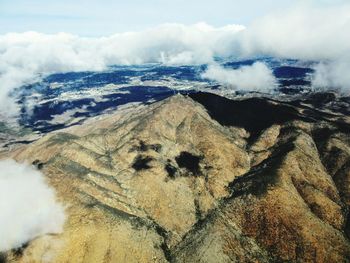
(200, 178)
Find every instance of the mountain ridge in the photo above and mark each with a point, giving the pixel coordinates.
(194, 179)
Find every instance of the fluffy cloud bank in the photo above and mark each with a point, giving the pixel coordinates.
(305, 32)
(24, 56)
(257, 77)
(28, 207)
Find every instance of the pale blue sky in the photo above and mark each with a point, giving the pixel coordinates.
(105, 17)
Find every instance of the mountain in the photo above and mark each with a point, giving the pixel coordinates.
(200, 178)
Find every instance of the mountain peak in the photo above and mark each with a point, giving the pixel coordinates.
(198, 177)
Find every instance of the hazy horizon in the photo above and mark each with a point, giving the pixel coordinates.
(102, 18)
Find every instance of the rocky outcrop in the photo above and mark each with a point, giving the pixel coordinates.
(199, 178)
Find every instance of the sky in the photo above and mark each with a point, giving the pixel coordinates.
(106, 17)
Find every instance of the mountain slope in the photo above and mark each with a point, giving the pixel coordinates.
(199, 179)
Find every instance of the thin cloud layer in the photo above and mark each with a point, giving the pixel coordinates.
(28, 206)
(257, 77)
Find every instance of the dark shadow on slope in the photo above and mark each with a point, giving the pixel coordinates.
(38, 164)
(190, 162)
(253, 114)
(144, 147)
(18, 252)
(347, 225)
(260, 177)
(142, 163)
(3, 258)
(171, 170)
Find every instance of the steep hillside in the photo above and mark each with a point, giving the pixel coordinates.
(200, 178)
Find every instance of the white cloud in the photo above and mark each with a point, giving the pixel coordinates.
(257, 77)
(25, 55)
(305, 32)
(333, 74)
(28, 206)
